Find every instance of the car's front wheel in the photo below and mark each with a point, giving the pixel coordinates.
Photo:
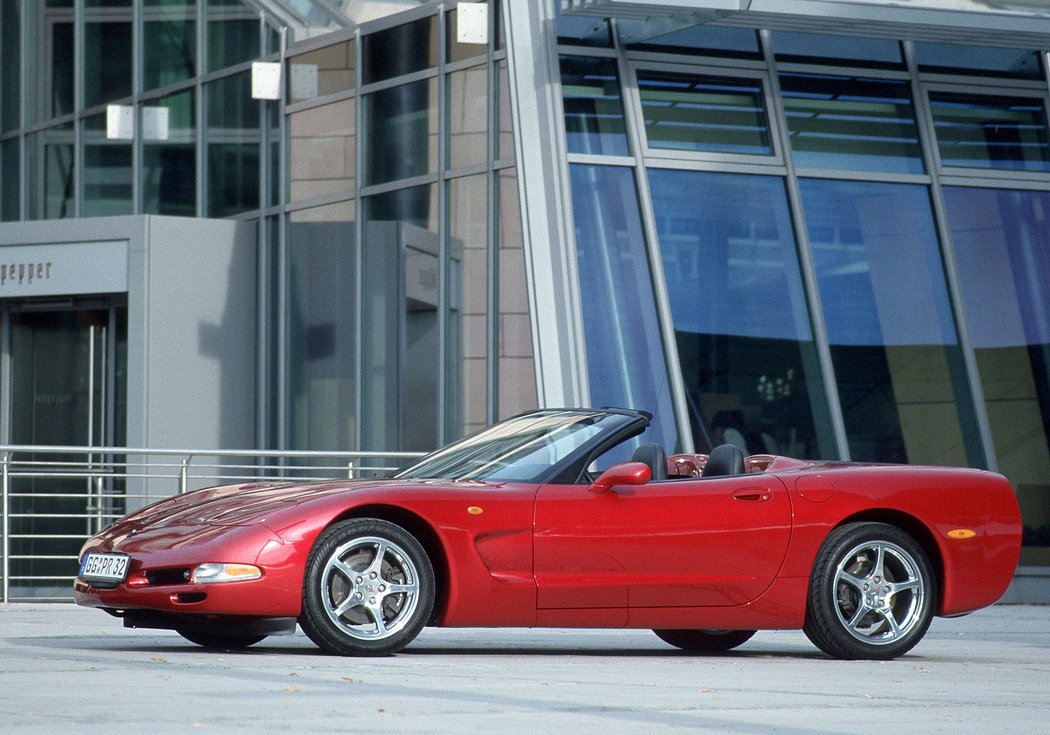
(368, 589)
(705, 641)
(872, 594)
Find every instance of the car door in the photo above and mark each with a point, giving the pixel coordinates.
(679, 543)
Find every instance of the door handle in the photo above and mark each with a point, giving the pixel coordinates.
(752, 495)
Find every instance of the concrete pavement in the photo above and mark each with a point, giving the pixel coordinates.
(62, 666)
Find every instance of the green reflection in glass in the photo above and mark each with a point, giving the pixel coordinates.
(169, 47)
(986, 131)
(701, 113)
(169, 156)
(107, 73)
(846, 122)
(593, 108)
(233, 146)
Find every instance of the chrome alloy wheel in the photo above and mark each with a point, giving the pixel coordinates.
(878, 592)
(370, 588)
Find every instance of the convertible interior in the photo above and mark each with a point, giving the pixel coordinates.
(724, 460)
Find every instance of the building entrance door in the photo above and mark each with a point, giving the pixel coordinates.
(65, 386)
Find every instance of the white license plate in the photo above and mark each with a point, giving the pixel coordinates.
(112, 568)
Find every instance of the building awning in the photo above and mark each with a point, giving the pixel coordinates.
(1014, 23)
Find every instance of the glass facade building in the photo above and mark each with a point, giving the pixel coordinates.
(819, 236)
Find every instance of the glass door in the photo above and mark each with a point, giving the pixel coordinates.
(66, 388)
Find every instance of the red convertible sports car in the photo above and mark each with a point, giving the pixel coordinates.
(518, 526)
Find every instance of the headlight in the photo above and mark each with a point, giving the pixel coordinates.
(224, 572)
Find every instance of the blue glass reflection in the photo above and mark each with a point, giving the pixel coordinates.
(901, 379)
(741, 323)
(817, 47)
(953, 58)
(625, 355)
(1002, 248)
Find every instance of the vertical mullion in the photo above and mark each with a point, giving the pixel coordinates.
(928, 143)
(805, 255)
(443, 226)
(633, 119)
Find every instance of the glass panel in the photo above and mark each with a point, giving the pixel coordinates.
(625, 355)
(901, 380)
(402, 132)
(467, 358)
(169, 176)
(400, 50)
(740, 317)
(1002, 248)
(233, 146)
(231, 39)
(322, 346)
(10, 174)
(468, 117)
(11, 53)
(59, 375)
(62, 62)
(699, 39)
(169, 46)
(593, 108)
(997, 62)
(582, 31)
(107, 73)
(275, 182)
(51, 174)
(824, 49)
(323, 155)
(399, 321)
(695, 113)
(841, 122)
(458, 51)
(327, 70)
(108, 172)
(505, 140)
(517, 369)
(982, 131)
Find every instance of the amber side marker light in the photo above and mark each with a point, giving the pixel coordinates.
(475, 510)
(962, 533)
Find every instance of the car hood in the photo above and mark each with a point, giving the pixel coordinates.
(235, 505)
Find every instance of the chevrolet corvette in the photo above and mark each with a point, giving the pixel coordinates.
(532, 523)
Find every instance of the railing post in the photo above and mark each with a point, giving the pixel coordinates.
(182, 475)
(350, 470)
(5, 529)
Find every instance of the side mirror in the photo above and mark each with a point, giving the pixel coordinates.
(624, 473)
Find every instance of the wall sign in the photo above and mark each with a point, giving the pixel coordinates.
(65, 269)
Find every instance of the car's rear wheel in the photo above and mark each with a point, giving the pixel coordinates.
(872, 594)
(369, 589)
(219, 641)
(705, 641)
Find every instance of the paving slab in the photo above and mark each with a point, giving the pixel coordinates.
(63, 666)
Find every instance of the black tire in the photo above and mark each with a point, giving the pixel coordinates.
(219, 641)
(705, 641)
(872, 594)
(368, 589)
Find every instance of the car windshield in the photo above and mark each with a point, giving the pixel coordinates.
(521, 449)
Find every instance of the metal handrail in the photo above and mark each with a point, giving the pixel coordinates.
(116, 480)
